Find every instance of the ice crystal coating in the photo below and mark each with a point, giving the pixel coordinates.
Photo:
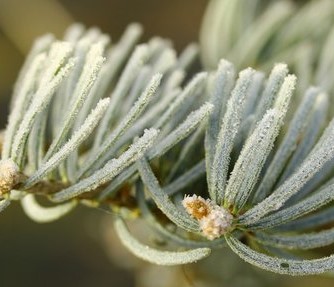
(119, 127)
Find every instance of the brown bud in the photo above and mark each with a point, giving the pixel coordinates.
(9, 175)
(214, 220)
(196, 206)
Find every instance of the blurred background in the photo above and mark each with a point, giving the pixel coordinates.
(22, 21)
(81, 249)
